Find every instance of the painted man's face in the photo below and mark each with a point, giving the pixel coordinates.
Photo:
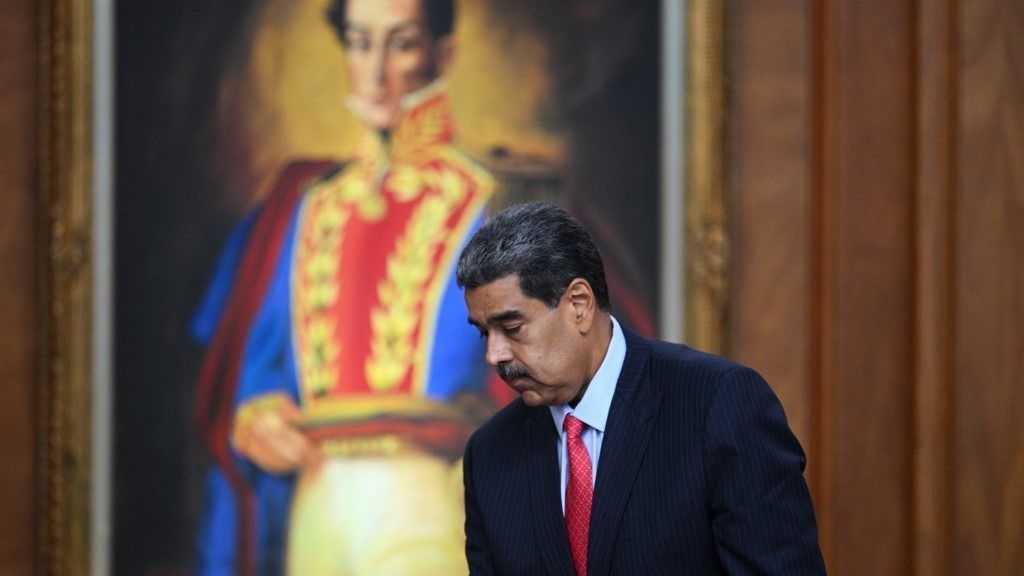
(390, 53)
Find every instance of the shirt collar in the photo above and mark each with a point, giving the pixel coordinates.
(593, 408)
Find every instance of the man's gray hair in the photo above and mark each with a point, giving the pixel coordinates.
(543, 245)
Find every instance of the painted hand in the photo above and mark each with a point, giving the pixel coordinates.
(266, 432)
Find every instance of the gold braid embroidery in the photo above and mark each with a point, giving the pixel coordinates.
(319, 252)
(401, 293)
(360, 187)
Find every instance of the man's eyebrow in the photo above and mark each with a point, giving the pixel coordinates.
(407, 25)
(505, 316)
(498, 318)
(398, 27)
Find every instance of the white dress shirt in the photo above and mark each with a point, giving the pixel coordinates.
(593, 408)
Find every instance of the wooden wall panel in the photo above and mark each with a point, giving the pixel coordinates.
(768, 77)
(866, 163)
(837, 238)
(878, 272)
(18, 304)
(934, 291)
(989, 351)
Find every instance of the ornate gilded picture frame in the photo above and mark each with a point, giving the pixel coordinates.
(77, 418)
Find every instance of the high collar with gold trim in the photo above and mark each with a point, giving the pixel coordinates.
(424, 121)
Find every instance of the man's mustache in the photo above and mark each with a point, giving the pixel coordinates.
(510, 371)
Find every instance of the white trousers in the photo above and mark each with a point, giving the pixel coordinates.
(394, 515)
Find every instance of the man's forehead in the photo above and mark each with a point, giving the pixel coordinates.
(391, 13)
(506, 288)
(495, 301)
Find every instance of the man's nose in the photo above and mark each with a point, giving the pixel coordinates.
(497, 350)
(378, 58)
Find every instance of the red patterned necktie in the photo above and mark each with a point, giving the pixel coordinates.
(579, 494)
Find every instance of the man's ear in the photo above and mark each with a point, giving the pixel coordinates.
(444, 54)
(581, 299)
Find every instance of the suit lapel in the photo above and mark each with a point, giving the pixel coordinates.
(546, 500)
(629, 428)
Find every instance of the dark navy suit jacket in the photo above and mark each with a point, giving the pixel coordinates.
(699, 474)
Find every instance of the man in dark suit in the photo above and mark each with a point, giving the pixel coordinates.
(622, 455)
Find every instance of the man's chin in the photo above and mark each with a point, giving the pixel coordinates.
(532, 398)
(376, 116)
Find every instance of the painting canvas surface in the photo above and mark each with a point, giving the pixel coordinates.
(216, 99)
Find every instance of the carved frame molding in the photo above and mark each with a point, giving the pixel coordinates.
(65, 218)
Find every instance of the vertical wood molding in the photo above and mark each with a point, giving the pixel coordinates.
(707, 239)
(862, 320)
(934, 471)
(988, 433)
(824, 172)
(64, 235)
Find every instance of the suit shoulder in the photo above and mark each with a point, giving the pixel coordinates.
(681, 357)
(689, 371)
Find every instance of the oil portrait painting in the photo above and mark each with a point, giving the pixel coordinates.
(294, 376)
